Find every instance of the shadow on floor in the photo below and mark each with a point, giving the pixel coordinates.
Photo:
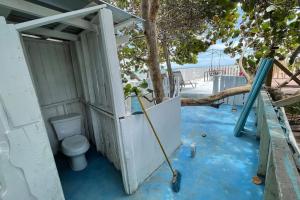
(100, 180)
(222, 169)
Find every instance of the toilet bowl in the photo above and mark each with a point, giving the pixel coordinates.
(75, 148)
(73, 144)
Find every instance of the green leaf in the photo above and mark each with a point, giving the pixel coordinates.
(266, 26)
(127, 89)
(144, 84)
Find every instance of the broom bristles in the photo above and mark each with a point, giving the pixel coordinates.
(176, 180)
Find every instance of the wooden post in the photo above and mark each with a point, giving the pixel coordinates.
(269, 77)
(108, 46)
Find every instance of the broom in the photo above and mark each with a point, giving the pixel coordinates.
(176, 179)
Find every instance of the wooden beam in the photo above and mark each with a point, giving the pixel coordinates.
(288, 101)
(52, 33)
(61, 27)
(269, 77)
(127, 23)
(4, 12)
(40, 11)
(93, 22)
(57, 18)
(286, 71)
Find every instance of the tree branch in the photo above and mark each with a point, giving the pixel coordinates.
(221, 95)
(247, 76)
(145, 60)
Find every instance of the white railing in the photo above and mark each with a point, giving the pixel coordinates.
(207, 73)
(227, 79)
(224, 82)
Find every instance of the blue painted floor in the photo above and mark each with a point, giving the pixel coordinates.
(222, 168)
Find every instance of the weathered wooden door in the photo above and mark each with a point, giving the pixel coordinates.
(103, 91)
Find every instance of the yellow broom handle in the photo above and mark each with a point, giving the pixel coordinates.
(155, 134)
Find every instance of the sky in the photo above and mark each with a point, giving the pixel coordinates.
(219, 57)
(213, 56)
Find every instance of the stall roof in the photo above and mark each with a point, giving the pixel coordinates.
(119, 15)
(17, 11)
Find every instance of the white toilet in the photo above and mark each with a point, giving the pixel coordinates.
(73, 144)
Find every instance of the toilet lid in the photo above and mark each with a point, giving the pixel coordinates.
(75, 145)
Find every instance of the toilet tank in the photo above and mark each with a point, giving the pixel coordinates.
(67, 125)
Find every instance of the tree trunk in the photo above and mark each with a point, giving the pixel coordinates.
(221, 95)
(169, 67)
(241, 65)
(149, 13)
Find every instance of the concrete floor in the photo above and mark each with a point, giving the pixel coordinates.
(222, 169)
(202, 89)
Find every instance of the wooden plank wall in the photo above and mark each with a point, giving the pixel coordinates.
(54, 79)
(144, 154)
(97, 95)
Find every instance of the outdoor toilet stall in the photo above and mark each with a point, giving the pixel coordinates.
(67, 65)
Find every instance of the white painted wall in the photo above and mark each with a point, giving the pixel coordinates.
(53, 72)
(98, 95)
(143, 154)
(27, 167)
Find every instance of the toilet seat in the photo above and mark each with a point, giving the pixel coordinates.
(75, 145)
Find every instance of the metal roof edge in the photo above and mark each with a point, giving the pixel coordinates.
(120, 10)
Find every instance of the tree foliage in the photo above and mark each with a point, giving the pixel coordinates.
(184, 24)
(263, 25)
(251, 29)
